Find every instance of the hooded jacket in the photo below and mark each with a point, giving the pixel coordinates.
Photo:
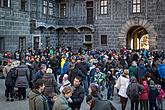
(134, 89)
(153, 92)
(144, 95)
(37, 101)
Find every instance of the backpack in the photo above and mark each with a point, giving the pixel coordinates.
(134, 92)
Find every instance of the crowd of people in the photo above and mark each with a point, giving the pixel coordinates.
(60, 78)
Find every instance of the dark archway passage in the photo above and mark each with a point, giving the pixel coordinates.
(137, 38)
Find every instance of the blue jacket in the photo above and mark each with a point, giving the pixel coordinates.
(161, 70)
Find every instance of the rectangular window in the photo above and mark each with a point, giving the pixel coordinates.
(104, 7)
(88, 39)
(47, 41)
(45, 7)
(23, 5)
(5, 3)
(103, 39)
(136, 8)
(36, 43)
(50, 8)
(22, 42)
(62, 10)
(89, 5)
(2, 43)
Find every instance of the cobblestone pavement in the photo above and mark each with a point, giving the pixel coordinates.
(23, 105)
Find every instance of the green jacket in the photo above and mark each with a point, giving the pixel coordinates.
(37, 101)
(61, 103)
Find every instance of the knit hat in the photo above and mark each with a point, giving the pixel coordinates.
(10, 61)
(152, 82)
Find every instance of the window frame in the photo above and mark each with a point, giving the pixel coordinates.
(62, 13)
(22, 40)
(136, 6)
(104, 7)
(87, 42)
(24, 7)
(4, 5)
(45, 7)
(101, 40)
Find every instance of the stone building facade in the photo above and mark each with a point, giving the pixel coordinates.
(82, 23)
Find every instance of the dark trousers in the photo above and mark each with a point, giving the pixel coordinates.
(22, 92)
(109, 92)
(144, 105)
(123, 101)
(153, 105)
(134, 105)
(9, 91)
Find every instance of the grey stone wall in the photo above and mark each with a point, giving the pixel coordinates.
(15, 23)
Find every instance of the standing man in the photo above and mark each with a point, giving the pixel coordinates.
(78, 94)
(7, 68)
(9, 88)
(37, 101)
(22, 79)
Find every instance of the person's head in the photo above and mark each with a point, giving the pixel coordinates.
(9, 62)
(93, 89)
(77, 81)
(90, 101)
(65, 77)
(134, 63)
(39, 85)
(67, 91)
(126, 72)
(49, 70)
(43, 67)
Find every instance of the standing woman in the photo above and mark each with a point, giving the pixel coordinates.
(122, 84)
(51, 86)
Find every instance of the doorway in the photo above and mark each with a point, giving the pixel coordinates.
(137, 38)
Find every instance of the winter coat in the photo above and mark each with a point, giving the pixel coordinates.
(145, 93)
(161, 94)
(99, 77)
(153, 93)
(132, 71)
(161, 70)
(37, 101)
(61, 103)
(84, 67)
(6, 69)
(103, 105)
(77, 97)
(38, 75)
(122, 84)
(51, 85)
(134, 89)
(22, 76)
(10, 78)
(141, 71)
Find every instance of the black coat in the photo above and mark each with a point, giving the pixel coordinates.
(10, 78)
(77, 97)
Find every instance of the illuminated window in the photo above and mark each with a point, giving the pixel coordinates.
(136, 6)
(104, 7)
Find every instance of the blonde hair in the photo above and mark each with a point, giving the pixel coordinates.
(49, 70)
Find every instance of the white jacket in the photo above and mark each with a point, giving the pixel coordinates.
(122, 84)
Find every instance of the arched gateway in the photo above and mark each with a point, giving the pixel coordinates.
(137, 34)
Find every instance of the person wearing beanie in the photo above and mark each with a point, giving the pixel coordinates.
(7, 68)
(153, 93)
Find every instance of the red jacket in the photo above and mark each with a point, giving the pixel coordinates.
(145, 93)
(161, 94)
